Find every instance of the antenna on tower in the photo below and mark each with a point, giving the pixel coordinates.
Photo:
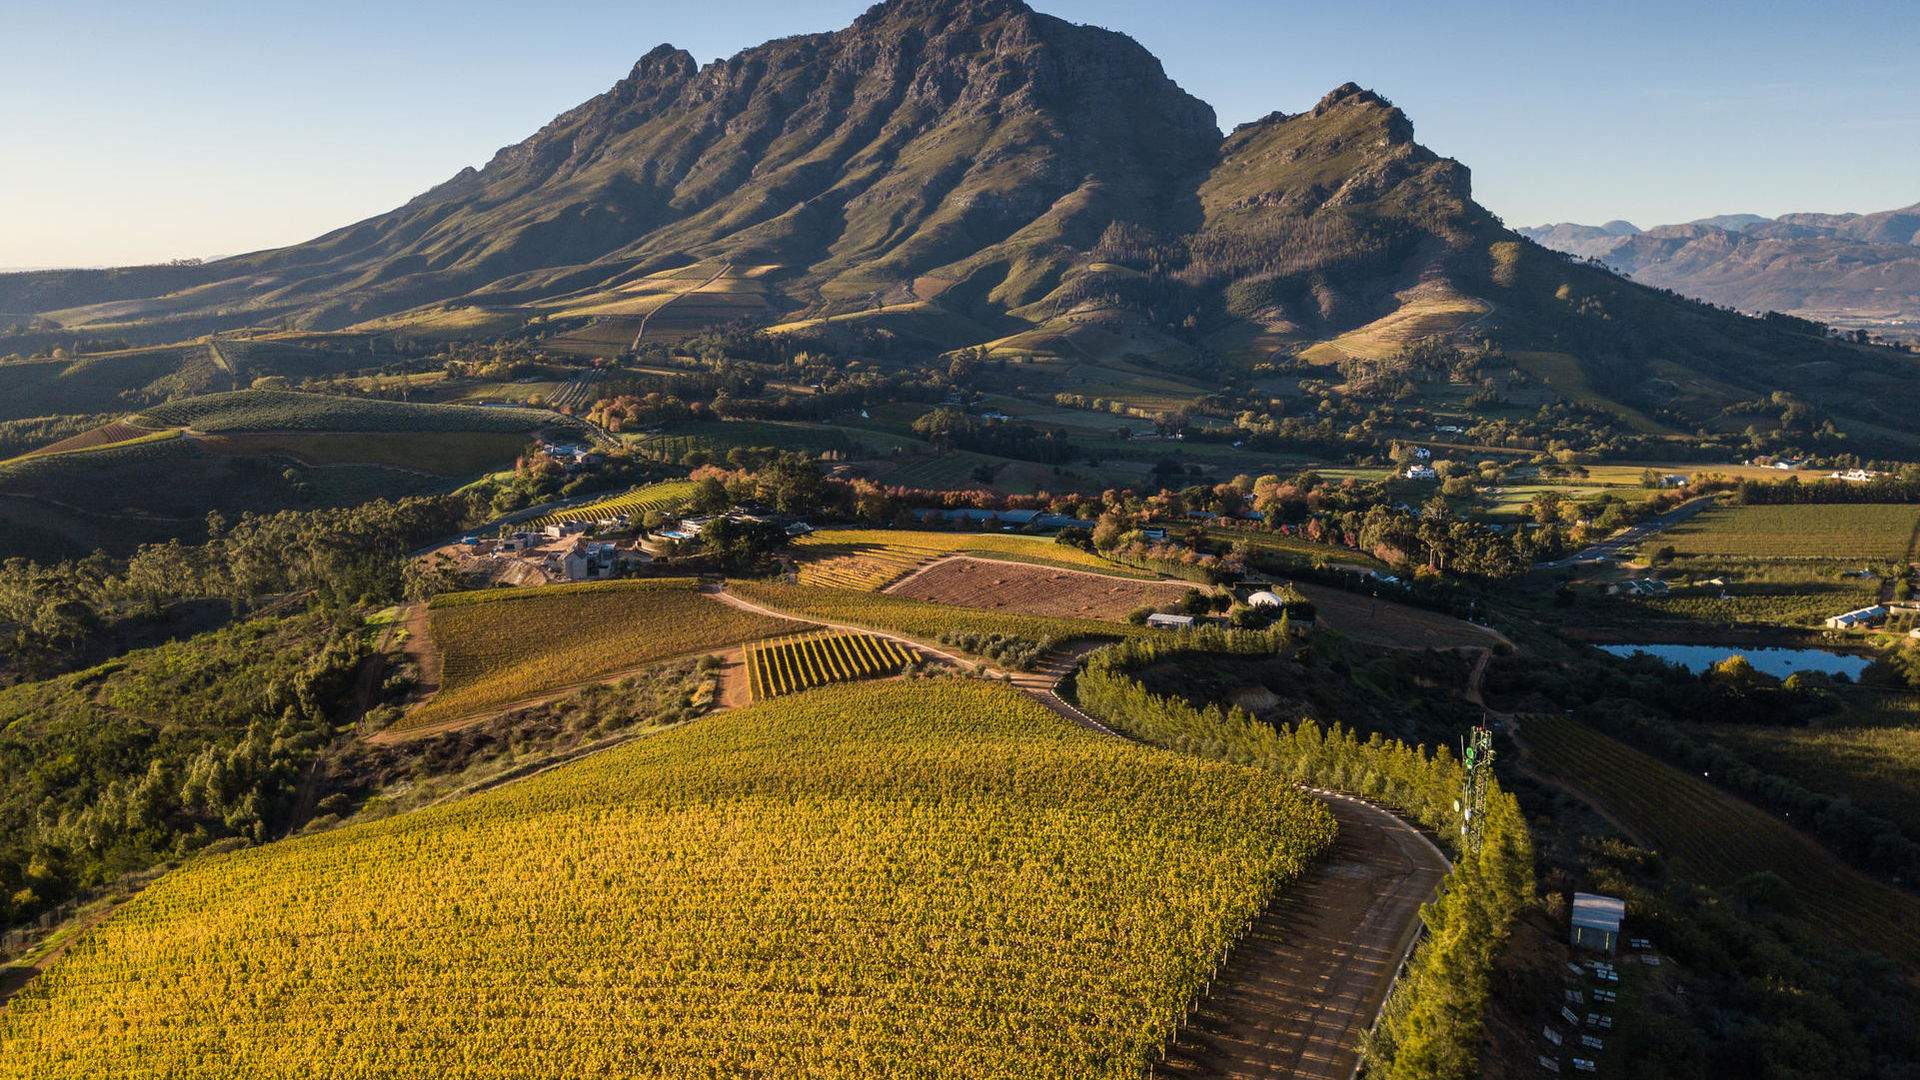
(1476, 754)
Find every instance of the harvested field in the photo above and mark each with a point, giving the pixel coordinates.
(1382, 622)
(1033, 590)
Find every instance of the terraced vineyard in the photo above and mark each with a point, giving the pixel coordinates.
(872, 559)
(1850, 532)
(918, 879)
(671, 494)
(795, 664)
(503, 646)
(922, 619)
(1719, 839)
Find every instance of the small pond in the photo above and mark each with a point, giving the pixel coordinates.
(1779, 663)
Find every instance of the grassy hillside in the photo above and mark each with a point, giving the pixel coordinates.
(909, 879)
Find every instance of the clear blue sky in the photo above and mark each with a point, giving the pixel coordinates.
(140, 132)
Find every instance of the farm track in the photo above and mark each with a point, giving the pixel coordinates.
(648, 317)
(1308, 981)
(15, 978)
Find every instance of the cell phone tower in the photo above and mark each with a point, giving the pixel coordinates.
(1476, 755)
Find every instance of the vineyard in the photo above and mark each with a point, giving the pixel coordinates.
(872, 559)
(1719, 839)
(719, 437)
(921, 619)
(448, 453)
(941, 472)
(114, 434)
(897, 879)
(667, 496)
(276, 410)
(795, 664)
(1868, 532)
(1875, 765)
(499, 647)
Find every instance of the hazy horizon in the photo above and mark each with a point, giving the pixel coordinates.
(139, 135)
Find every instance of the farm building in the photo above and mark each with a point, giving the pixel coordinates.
(1170, 622)
(1421, 472)
(1264, 598)
(1645, 587)
(1857, 476)
(1596, 921)
(1860, 619)
(589, 561)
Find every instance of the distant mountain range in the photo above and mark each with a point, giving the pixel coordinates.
(1850, 270)
(954, 173)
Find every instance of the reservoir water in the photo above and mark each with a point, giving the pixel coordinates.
(1779, 663)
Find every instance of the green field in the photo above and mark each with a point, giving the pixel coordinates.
(928, 878)
(1719, 839)
(279, 410)
(502, 646)
(1833, 532)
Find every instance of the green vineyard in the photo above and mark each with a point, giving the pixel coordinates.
(1855, 531)
(904, 879)
(665, 496)
(794, 664)
(1718, 838)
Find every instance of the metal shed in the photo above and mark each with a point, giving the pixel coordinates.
(1596, 921)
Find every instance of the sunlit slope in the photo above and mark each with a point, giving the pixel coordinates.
(905, 879)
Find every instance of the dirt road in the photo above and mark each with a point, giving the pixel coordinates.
(1302, 988)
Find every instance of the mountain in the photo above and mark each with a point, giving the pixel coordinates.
(1584, 241)
(1850, 270)
(954, 173)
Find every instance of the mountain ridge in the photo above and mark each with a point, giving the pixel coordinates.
(968, 173)
(1851, 270)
